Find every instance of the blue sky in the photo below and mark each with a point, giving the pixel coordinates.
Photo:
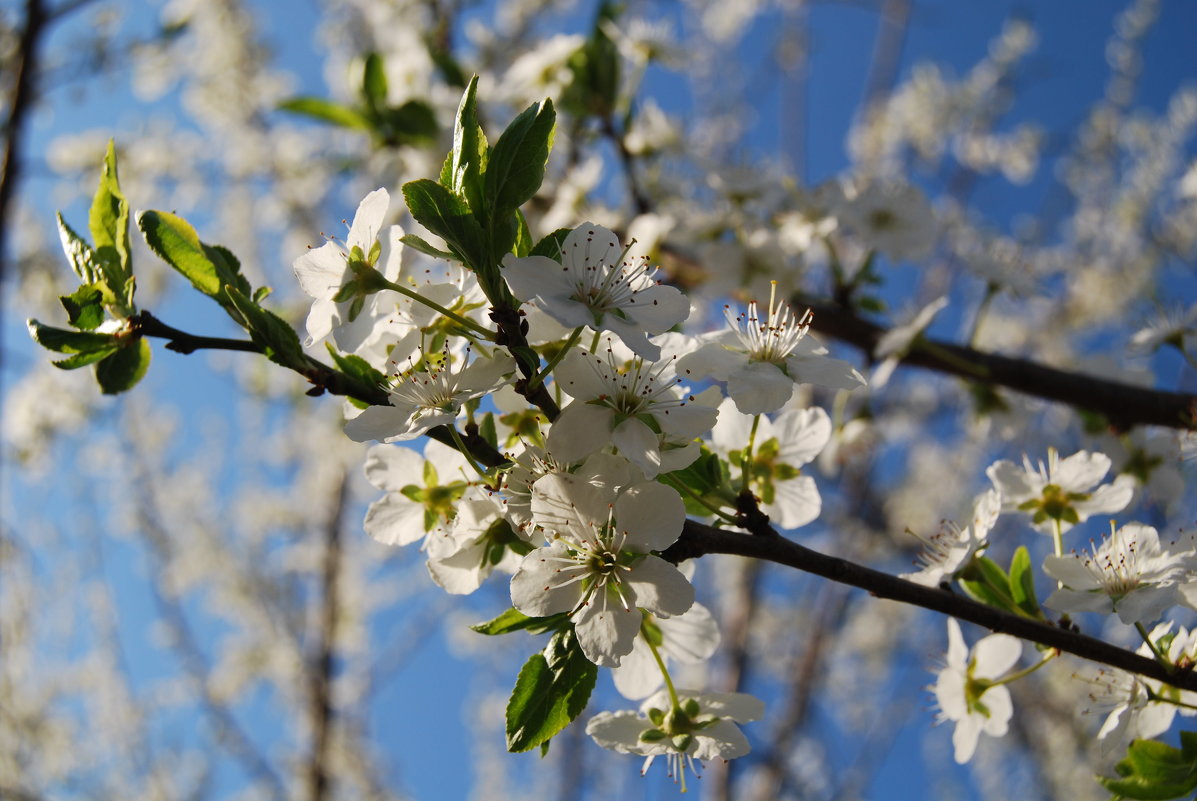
(1063, 76)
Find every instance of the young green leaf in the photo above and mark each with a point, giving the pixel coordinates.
(550, 692)
(85, 307)
(447, 216)
(327, 111)
(463, 170)
(550, 246)
(61, 340)
(278, 340)
(209, 267)
(1155, 771)
(515, 620)
(422, 245)
(122, 370)
(1022, 583)
(517, 164)
(109, 224)
(374, 82)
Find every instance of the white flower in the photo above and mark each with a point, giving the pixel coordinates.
(638, 408)
(422, 399)
(1063, 490)
(421, 491)
(966, 692)
(461, 557)
(593, 286)
(893, 218)
(782, 447)
(322, 272)
(702, 728)
(1129, 574)
(598, 566)
(950, 550)
(762, 360)
(690, 638)
(1137, 708)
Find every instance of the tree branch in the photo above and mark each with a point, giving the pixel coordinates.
(698, 540)
(1123, 405)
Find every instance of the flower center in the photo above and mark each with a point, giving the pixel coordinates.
(776, 337)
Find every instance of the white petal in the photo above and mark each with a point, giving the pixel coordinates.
(638, 675)
(382, 423)
(721, 740)
(534, 275)
(367, 221)
(996, 654)
(391, 468)
(660, 587)
(640, 444)
(618, 731)
(580, 430)
(692, 637)
(395, 520)
(711, 359)
(606, 629)
(760, 388)
(796, 502)
(321, 271)
(651, 514)
(537, 587)
(658, 308)
(802, 434)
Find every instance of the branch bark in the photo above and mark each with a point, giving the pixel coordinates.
(1123, 405)
(698, 540)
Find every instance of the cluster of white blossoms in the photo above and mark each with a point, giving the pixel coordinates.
(581, 509)
(578, 505)
(1131, 573)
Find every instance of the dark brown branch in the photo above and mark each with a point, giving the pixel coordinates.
(325, 650)
(21, 103)
(1123, 405)
(698, 539)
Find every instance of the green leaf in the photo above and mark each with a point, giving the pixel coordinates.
(1022, 583)
(209, 268)
(420, 244)
(515, 620)
(109, 224)
(517, 164)
(80, 254)
(523, 236)
(83, 359)
(550, 692)
(122, 370)
(550, 246)
(274, 335)
(463, 170)
(414, 122)
(356, 367)
(1155, 771)
(447, 216)
(488, 431)
(374, 82)
(61, 340)
(988, 583)
(327, 111)
(85, 307)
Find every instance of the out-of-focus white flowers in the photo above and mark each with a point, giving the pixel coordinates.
(1061, 492)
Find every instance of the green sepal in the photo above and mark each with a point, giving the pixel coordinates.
(1156, 771)
(327, 111)
(273, 334)
(85, 306)
(447, 216)
(515, 620)
(517, 163)
(60, 340)
(108, 221)
(209, 268)
(550, 246)
(1022, 584)
(356, 367)
(551, 691)
(122, 370)
(467, 163)
(422, 245)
